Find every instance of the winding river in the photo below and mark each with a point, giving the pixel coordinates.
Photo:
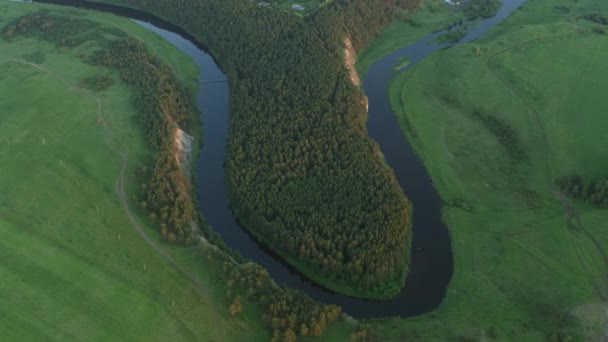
(431, 264)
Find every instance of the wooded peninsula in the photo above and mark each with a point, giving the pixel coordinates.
(302, 174)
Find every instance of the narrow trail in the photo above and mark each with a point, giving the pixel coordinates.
(543, 263)
(119, 188)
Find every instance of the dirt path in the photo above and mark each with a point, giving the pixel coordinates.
(119, 188)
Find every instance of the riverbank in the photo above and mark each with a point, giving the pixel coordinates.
(522, 270)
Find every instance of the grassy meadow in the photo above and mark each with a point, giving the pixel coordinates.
(74, 265)
(496, 123)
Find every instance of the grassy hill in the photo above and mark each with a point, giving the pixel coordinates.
(497, 122)
(79, 262)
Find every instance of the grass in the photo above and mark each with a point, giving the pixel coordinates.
(523, 271)
(74, 268)
(432, 15)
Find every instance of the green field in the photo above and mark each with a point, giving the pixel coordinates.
(496, 123)
(79, 261)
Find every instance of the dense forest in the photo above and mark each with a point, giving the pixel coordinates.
(592, 192)
(301, 172)
(161, 104)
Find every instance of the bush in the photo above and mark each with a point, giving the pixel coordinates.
(481, 8)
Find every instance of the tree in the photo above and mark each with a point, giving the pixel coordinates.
(316, 330)
(289, 336)
(235, 307)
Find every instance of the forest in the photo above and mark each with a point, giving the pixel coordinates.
(302, 174)
(161, 107)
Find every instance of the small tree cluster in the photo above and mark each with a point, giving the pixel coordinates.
(592, 192)
(481, 8)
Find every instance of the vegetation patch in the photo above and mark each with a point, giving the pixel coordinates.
(48, 26)
(597, 18)
(481, 8)
(592, 192)
(98, 82)
(288, 312)
(506, 134)
(34, 57)
(452, 36)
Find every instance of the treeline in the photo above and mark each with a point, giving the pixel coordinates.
(47, 26)
(301, 172)
(161, 104)
(591, 192)
(290, 313)
(62, 30)
(162, 107)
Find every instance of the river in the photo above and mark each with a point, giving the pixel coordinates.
(431, 263)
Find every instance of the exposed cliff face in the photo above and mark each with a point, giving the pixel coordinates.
(183, 143)
(350, 60)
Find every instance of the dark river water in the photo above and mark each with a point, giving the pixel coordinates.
(431, 263)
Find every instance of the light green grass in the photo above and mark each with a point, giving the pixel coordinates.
(74, 268)
(521, 272)
(432, 15)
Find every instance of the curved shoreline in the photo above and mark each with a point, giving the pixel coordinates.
(431, 257)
